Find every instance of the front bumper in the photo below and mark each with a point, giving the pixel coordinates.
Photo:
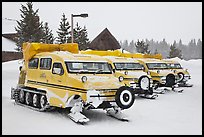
(97, 97)
(163, 80)
(186, 78)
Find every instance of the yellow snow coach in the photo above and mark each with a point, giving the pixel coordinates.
(162, 76)
(52, 76)
(184, 75)
(130, 72)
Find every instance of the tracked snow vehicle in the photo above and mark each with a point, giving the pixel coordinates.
(53, 77)
(160, 73)
(184, 75)
(130, 72)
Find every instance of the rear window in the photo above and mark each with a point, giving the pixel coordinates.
(33, 63)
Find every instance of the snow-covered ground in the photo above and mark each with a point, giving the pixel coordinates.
(171, 113)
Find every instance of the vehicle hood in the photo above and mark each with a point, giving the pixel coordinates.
(133, 74)
(99, 82)
(162, 72)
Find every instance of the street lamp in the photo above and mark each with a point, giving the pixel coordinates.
(80, 15)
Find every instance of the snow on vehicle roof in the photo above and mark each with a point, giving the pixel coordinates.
(170, 61)
(150, 60)
(119, 59)
(67, 56)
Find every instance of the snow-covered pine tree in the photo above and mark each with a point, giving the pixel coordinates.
(174, 52)
(48, 36)
(80, 37)
(29, 28)
(156, 52)
(63, 30)
(84, 39)
(141, 47)
(199, 46)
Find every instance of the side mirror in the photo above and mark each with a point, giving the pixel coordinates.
(57, 71)
(113, 70)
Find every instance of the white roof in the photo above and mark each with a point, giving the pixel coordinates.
(8, 45)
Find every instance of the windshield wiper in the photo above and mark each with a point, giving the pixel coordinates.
(80, 71)
(100, 70)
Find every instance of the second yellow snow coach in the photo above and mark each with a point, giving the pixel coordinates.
(54, 77)
(130, 72)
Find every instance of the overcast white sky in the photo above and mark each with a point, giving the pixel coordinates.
(131, 20)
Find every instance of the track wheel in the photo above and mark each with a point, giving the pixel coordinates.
(36, 100)
(22, 96)
(28, 98)
(43, 101)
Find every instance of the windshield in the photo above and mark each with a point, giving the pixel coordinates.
(174, 66)
(128, 66)
(157, 65)
(88, 67)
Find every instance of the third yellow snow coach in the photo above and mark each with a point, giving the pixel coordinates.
(184, 75)
(52, 76)
(162, 76)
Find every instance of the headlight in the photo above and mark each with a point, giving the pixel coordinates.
(187, 77)
(158, 71)
(121, 78)
(84, 79)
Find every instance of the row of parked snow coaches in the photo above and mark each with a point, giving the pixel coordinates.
(61, 76)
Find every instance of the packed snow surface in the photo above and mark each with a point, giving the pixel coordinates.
(171, 113)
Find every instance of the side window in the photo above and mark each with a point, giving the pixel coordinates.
(33, 63)
(57, 69)
(45, 63)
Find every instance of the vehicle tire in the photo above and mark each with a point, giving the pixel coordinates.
(43, 101)
(36, 100)
(21, 96)
(181, 77)
(144, 83)
(170, 80)
(28, 98)
(124, 97)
